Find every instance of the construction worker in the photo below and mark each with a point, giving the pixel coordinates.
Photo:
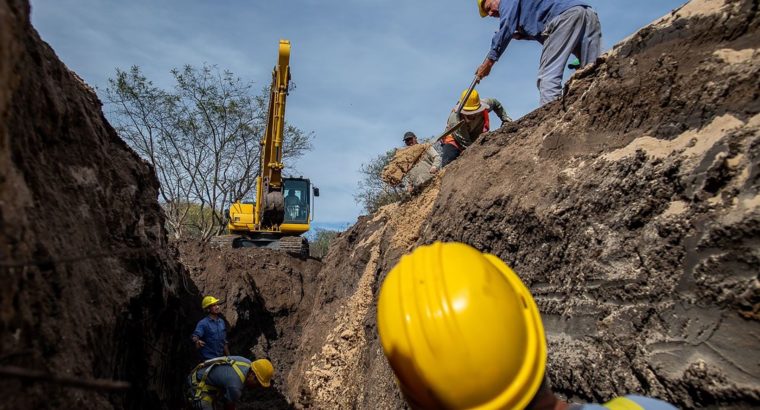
(222, 379)
(210, 335)
(410, 139)
(461, 331)
(426, 166)
(476, 121)
(564, 27)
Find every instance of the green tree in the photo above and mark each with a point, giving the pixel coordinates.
(201, 137)
(321, 244)
(372, 192)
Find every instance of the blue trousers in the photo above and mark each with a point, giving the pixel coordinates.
(576, 31)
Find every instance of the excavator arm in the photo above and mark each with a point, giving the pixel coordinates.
(270, 206)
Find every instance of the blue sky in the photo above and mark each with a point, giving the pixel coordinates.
(366, 71)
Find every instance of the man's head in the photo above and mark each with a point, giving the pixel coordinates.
(447, 312)
(211, 305)
(261, 374)
(409, 138)
(472, 105)
(488, 8)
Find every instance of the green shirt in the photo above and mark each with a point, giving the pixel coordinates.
(472, 128)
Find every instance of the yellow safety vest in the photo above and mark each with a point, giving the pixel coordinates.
(203, 391)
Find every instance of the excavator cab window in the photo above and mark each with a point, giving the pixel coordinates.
(296, 193)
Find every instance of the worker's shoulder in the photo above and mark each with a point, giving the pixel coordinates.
(204, 321)
(490, 101)
(240, 359)
(629, 402)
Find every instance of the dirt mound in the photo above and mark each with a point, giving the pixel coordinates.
(90, 288)
(403, 160)
(631, 209)
(268, 296)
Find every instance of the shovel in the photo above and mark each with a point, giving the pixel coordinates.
(456, 126)
(467, 94)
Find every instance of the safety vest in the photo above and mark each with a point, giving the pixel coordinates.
(449, 139)
(199, 390)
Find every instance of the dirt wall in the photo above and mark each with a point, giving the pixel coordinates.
(90, 288)
(630, 208)
(267, 297)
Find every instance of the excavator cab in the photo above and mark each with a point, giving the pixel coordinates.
(297, 201)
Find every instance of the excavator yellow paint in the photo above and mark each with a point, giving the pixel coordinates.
(282, 210)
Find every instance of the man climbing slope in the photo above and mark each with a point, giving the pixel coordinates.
(475, 114)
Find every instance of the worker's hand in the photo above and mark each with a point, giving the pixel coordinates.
(484, 69)
(409, 188)
(517, 35)
(433, 169)
(199, 343)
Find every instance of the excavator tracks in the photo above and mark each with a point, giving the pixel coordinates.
(295, 245)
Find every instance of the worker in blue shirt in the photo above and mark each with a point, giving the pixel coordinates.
(564, 27)
(210, 335)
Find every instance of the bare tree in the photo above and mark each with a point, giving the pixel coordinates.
(372, 192)
(202, 138)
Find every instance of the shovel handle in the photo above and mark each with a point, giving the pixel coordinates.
(467, 94)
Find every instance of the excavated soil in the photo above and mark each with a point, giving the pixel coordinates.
(403, 160)
(630, 208)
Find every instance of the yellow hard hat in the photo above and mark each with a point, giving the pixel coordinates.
(460, 330)
(482, 10)
(473, 101)
(264, 370)
(209, 301)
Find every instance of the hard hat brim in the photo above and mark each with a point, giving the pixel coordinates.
(465, 111)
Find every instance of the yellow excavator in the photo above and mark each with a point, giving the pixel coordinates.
(283, 207)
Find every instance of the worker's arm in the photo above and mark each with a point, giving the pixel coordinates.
(435, 158)
(226, 349)
(198, 334)
(508, 23)
(498, 109)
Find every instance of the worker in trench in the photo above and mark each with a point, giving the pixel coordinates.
(460, 330)
(210, 334)
(221, 381)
